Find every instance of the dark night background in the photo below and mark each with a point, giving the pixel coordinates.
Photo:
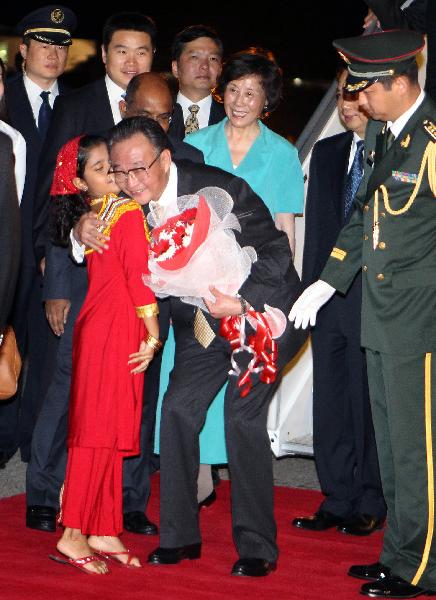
(299, 34)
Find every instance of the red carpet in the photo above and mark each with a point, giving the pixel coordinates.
(311, 566)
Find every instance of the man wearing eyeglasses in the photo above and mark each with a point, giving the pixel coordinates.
(149, 95)
(142, 163)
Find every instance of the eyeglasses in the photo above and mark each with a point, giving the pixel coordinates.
(163, 119)
(121, 177)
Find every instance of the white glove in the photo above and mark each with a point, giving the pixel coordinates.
(308, 304)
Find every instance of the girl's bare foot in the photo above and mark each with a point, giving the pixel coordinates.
(74, 544)
(113, 548)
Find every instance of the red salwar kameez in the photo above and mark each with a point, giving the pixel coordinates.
(106, 398)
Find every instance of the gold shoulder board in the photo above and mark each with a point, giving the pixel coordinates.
(430, 128)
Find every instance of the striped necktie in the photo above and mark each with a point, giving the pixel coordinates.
(354, 178)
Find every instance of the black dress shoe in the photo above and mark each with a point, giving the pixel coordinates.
(172, 556)
(41, 517)
(137, 522)
(253, 567)
(374, 571)
(208, 500)
(320, 521)
(393, 587)
(361, 525)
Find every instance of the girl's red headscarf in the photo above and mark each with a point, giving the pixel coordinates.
(66, 169)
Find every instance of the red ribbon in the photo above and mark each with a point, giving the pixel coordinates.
(261, 345)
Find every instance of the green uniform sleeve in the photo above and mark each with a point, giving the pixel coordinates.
(345, 259)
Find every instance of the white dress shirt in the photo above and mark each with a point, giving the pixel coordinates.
(397, 126)
(162, 209)
(115, 93)
(353, 149)
(204, 109)
(33, 93)
(19, 149)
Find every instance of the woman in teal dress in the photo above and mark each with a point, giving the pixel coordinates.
(250, 87)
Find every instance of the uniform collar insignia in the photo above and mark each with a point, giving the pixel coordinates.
(405, 143)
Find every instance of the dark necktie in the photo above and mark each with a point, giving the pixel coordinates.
(388, 140)
(354, 178)
(191, 123)
(44, 115)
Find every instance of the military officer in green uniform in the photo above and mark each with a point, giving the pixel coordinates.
(391, 236)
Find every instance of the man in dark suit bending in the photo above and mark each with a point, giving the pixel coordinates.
(200, 372)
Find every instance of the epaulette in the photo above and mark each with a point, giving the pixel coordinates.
(430, 128)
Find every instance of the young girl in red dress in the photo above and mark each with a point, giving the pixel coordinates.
(115, 337)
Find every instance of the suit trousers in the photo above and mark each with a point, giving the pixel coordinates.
(343, 434)
(403, 389)
(197, 376)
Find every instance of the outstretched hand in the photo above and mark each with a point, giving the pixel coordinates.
(308, 304)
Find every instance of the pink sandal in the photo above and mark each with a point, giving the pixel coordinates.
(79, 563)
(113, 556)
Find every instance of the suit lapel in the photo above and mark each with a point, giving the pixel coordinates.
(177, 126)
(20, 111)
(102, 107)
(217, 113)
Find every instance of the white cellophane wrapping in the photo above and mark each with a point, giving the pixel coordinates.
(219, 261)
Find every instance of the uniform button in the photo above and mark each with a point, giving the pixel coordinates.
(382, 245)
(380, 277)
(365, 237)
(366, 208)
(365, 268)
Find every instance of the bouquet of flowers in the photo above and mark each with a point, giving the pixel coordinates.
(196, 248)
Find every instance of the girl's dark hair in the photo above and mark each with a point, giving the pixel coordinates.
(3, 110)
(66, 210)
(254, 61)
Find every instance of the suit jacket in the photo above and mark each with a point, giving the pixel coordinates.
(399, 275)
(85, 110)
(9, 229)
(273, 279)
(22, 119)
(184, 151)
(324, 219)
(177, 126)
(324, 211)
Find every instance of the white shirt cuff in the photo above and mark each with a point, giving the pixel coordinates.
(77, 249)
